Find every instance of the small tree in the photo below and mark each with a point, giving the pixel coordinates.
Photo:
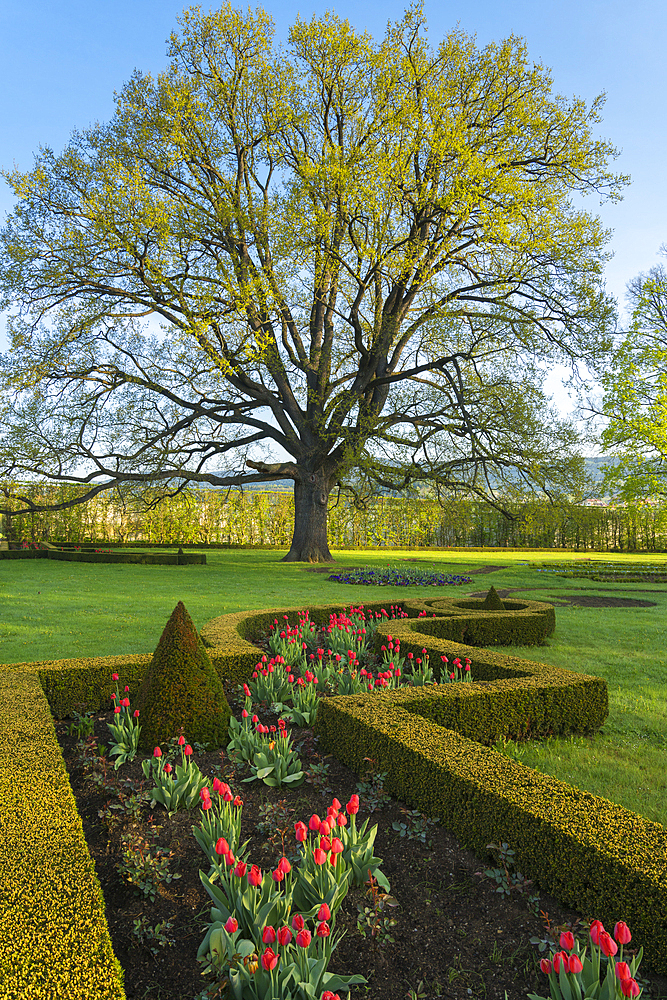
(362, 256)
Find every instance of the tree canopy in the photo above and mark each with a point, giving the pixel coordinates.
(635, 394)
(340, 261)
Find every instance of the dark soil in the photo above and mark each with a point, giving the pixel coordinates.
(593, 601)
(454, 932)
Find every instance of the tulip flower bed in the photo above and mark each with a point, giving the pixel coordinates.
(432, 922)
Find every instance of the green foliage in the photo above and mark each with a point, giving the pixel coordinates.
(82, 726)
(371, 921)
(276, 763)
(181, 689)
(175, 790)
(145, 868)
(505, 879)
(635, 400)
(153, 937)
(253, 518)
(415, 826)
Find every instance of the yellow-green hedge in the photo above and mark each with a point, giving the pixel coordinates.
(54, 941)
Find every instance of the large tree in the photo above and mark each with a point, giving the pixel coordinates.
(337, 262)
(635, 394)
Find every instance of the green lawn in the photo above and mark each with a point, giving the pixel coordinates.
(52, 610)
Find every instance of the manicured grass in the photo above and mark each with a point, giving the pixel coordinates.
(52, 610)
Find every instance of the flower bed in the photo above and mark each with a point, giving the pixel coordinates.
(517, 679)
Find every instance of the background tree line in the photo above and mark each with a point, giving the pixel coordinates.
(197, 516)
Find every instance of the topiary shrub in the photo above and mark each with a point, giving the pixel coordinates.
(182, 688)
(492, 602)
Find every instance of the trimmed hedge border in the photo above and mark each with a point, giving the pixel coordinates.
(54, 940)
(138, 558)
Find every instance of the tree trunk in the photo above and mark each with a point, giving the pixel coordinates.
(311, 498)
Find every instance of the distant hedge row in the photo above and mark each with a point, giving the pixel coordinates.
(256, 518)
(138, 558)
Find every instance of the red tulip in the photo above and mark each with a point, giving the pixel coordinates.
(114, 677)
(300, 831)
(241, 869)
(230, 859)
(630, 988)
(314, 822)
(595, 930)
(157, 752)
(284, 936)
(222, 847)
(545, 965)
(567, 940)
(167, 768)
(277, 875)
(341, 820)
(303, 938)
(607, 944)
(328, 995)
(336, 805)
(574, 964)
(135, 714)
(268, 935)
(325, 843)
(319, 856)
(325, 828)
(337, 846)
(297, 922)
(187, 750)
(116, 710)
(181, 740)
(284, 866)
(232, 925)
(623, 970)
(324, 913)
(560, 958)
(323, 929)
(622, 933)
(125, 702)
(353, 805)
(269, 960)
(255, 876)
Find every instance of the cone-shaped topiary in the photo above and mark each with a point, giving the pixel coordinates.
(492, 602)
(181, 688)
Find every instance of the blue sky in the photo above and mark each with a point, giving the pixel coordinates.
(61, 62)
